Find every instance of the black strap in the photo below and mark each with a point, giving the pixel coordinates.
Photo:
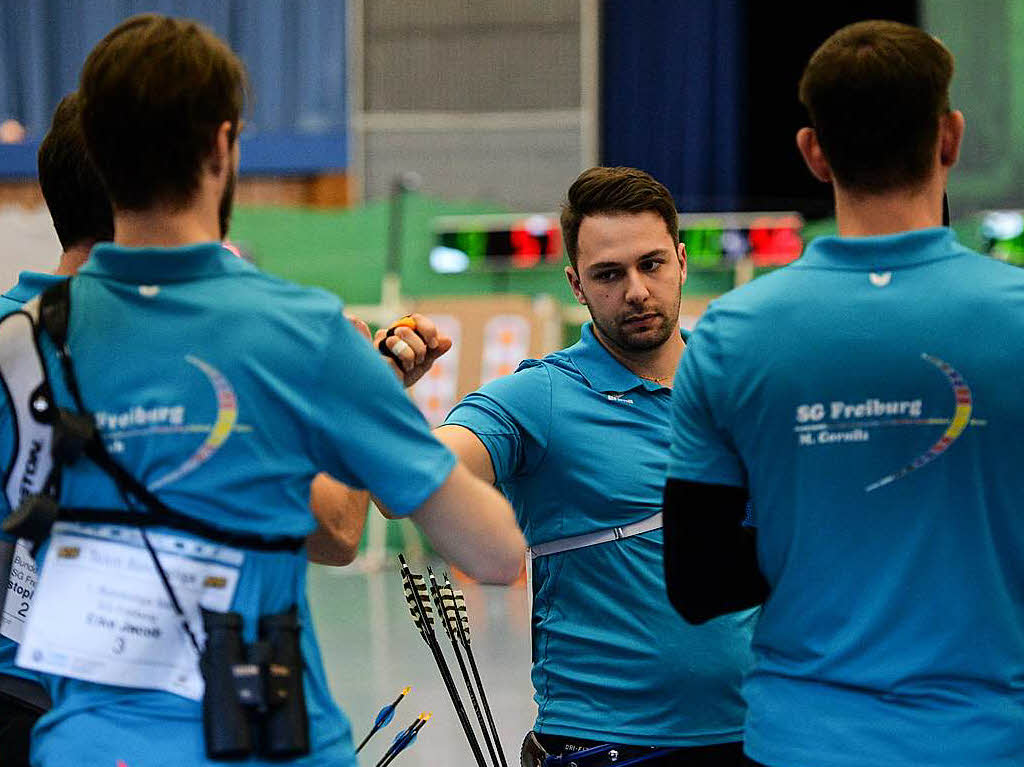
(178, 522)
(54, 311)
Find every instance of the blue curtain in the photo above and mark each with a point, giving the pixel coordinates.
(673, 86)
(294, 51)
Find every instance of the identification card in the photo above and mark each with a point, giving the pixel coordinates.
(101, 613)
(20, 587)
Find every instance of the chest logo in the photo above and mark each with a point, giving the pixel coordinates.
(621, 397)
(880, 279)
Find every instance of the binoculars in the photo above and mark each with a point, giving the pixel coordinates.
(254, 700)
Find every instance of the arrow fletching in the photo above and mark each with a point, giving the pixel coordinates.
(450, 627)
(404, 739)
(460, 620)
(418, 598)
(384, 717)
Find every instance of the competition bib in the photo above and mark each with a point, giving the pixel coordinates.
(101, 613)
(20, 587)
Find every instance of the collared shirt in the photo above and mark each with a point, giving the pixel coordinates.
(868, 396)
(29, 285)
(579, 444)
(225, 391)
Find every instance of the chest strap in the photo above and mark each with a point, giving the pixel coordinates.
(560, 545)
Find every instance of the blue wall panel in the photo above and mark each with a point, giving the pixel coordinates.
(673, 85)
(294, 51)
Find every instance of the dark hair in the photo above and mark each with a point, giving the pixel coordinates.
(614, 190)
(72, 188)
(874, 92)
(154, 92)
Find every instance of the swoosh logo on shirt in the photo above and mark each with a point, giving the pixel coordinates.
(961, 420)
(227, 415)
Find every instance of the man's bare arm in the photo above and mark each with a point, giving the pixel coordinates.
(471, 525)
(469, 449)
(340, 513)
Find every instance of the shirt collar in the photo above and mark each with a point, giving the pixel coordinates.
(603, 372)
(162, 265)
(31, 284)
(881, 252)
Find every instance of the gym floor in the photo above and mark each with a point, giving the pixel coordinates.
(372, 650)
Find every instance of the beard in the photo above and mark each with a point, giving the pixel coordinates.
(227, 199)
(620, 335)
(618, 331)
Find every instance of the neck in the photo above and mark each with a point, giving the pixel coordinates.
(658, 364)
(165, 226)
(71, 260)
(903, 210)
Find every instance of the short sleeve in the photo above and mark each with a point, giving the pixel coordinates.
(701, 447)
(366, 431)
(511, 416)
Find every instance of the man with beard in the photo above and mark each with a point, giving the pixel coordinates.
(200, 397)
(578, 442)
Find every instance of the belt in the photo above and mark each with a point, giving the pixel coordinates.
(31, 694)
(560, 545)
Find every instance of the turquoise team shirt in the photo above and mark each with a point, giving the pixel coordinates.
(169, 343)
(579, 443)
(869, 397)
(29, 285)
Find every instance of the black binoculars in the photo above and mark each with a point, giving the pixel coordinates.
(254, 700)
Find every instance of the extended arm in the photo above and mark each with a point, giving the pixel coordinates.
(710, 557)
(472, 525)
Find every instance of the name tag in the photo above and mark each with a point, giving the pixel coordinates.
(101, 613)
(20, 587)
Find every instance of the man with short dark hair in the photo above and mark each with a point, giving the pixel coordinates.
(78, 204)
(878, 436)
(217, 394)
(578, 440)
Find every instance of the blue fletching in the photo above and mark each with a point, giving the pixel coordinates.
(385, 716)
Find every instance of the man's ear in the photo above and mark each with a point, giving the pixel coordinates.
(682, 260)
(810, 149)
(574, 283)
(951, 134)
(220, 158)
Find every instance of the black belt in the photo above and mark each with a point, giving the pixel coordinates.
(26, 692)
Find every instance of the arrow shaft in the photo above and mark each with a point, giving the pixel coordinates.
(476, 704)
(487, 707)
(446, 676)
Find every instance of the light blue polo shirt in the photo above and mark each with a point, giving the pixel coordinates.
(869, 397)
(579, 444)
(30, 284)
(226, 390)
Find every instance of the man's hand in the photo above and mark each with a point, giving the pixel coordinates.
(416, 349)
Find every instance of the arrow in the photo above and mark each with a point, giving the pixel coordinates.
(406, 739)
(419, 606)
(384, 717)
(401, 738)
(462, 625)
(444, 600)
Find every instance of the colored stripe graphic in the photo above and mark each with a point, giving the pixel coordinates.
(960, 421)
(227, 415)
